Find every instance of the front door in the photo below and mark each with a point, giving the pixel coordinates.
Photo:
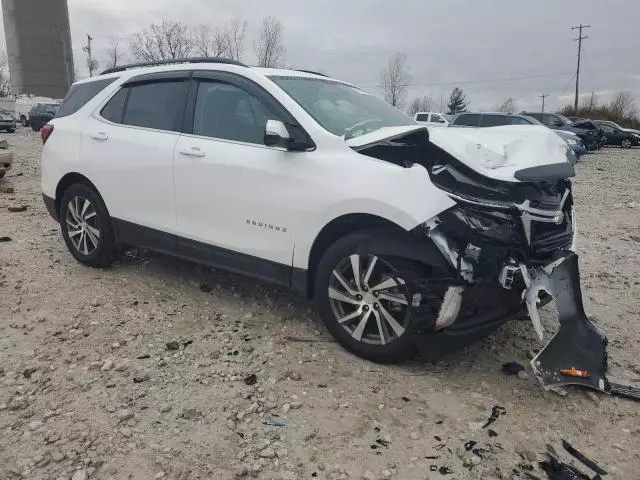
(237, 199)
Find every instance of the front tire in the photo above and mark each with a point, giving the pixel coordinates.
(364, 301)
(626, 143)
(86, 226)
(24, 121)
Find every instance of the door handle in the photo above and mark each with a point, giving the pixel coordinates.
(192, 152)
(99, 136)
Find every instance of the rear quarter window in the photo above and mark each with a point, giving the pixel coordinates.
(422, 117)
(80, 94)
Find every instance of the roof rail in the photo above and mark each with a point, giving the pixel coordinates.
(122, 68)
(312, 72)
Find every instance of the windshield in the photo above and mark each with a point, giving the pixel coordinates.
(340, 108)
(532, 121)
(564, 120)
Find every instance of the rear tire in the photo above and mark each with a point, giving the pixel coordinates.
(626, 143)
(24, 121)
(376, 324)
(86, 226)
(35, 127)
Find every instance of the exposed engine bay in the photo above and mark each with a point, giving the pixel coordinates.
(510, 242)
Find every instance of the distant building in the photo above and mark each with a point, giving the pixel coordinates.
(38, 46)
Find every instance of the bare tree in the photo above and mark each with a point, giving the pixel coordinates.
(589, 103)
(623, 105)
(395, 78)
(165, 41)
(113, 52)
(419, 104)
(5, 79)
(508, 106)
(268, 47)
(236, 32)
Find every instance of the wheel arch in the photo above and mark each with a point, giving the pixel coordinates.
(405, 243)
(66, 181)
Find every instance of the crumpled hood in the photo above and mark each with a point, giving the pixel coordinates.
(501, 152)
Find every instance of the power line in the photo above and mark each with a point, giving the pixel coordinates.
(579, 39)
(472, 82)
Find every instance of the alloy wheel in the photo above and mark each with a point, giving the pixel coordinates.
(82, 227)
(368, 299)
(626, 143)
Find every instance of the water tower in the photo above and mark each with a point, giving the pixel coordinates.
(38, 46)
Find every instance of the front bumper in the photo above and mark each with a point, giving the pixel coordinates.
(576, 355)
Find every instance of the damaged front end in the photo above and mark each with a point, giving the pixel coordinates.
(510, 242)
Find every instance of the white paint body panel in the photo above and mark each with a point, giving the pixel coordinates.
(498, 152)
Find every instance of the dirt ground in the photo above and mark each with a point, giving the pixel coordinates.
(158, 368)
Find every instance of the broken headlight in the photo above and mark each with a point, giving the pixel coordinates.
(468, 222)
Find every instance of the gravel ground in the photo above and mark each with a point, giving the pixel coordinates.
(158, 368)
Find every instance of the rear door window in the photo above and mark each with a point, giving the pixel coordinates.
(435, 118)
(422, 117)
(80, 94)
(158, 105)
(468, 120)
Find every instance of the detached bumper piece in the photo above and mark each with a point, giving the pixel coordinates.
(577, 354)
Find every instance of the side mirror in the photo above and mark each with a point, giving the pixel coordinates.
(276, 134)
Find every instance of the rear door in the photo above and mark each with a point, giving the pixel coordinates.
(128, 147)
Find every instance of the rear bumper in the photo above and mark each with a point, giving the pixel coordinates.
(50, 203)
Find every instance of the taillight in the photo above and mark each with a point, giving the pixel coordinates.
(45, 132)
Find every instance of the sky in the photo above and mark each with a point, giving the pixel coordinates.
(492, 49)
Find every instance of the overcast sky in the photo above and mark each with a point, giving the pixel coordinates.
(493, 49)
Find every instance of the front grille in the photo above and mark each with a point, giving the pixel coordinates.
(549, 237)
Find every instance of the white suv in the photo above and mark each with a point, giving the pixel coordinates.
(404, 237)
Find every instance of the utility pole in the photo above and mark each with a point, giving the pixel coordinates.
(543, 96)
(579, 39)
(90, 63)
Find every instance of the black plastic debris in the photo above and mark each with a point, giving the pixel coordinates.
(579, 456)
(496, 412)
(405, 399)
(187, 343)
(143, 357)
(173, 345)
(251, 379)
(557, 470)
(445, 471)
(469, 445)
(512, 368)
(5, 239)
(382, 442)
(492, 433)
(437, 438)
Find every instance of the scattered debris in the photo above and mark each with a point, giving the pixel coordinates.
(274, 424)
(557, 470)
(17, 208)
(469, 445)
(512, 368)
(589, 463)
(251, 379)
(173, 345)
(5, 239)
(496, 411)
(6, 189)
(492, 433)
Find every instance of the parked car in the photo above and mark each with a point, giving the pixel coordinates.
(614, 124)
(7, 121)
(41, 114)
(617, 136)
(489, 119)
(432, 119)
(592, 138)
(24, 104)
(6, 158)
(404, 237)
